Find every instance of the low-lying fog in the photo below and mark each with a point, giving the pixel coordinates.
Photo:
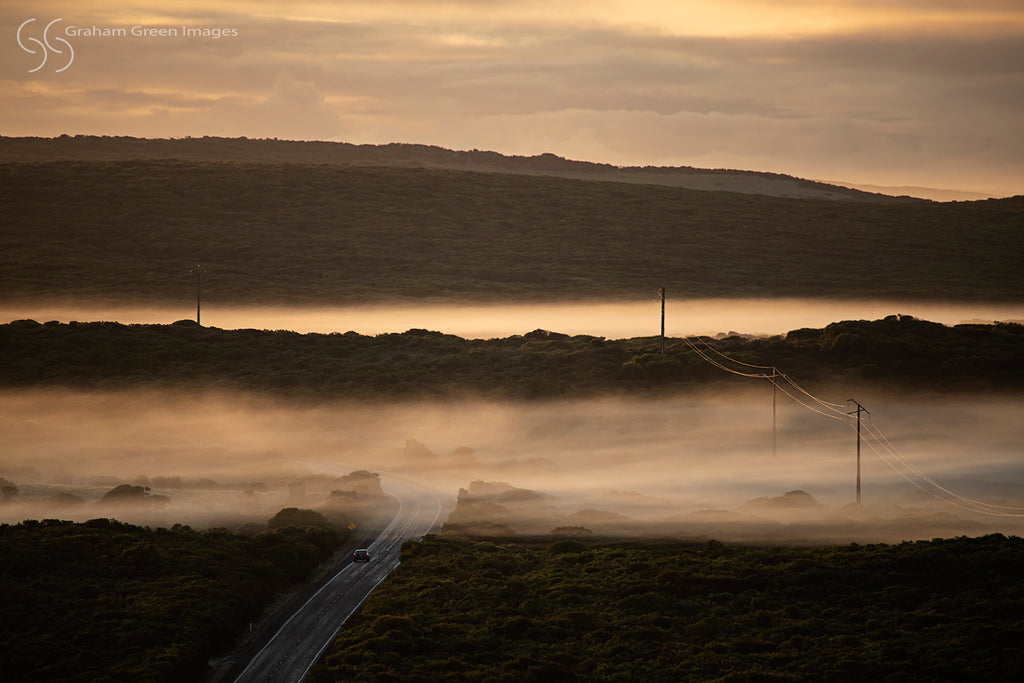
(613, 320)
(644, 466)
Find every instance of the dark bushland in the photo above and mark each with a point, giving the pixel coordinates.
(104, 600)
(329, 234)
(674, 611)
(898, 351)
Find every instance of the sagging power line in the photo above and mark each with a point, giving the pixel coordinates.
(865, 431)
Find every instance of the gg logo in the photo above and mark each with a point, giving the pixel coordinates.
(45, 46)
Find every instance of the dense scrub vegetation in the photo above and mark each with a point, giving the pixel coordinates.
(903, 351)
(108, 601)
(331, 234)
(460, 610)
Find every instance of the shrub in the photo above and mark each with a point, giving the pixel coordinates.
(564, 547)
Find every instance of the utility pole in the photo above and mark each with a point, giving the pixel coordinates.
(860, 409)
(198, 270)
(661, 291)
(775, 373)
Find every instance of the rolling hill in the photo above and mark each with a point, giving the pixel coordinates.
(128, 230)
(207, 148)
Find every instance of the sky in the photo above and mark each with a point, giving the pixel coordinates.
(895, 93)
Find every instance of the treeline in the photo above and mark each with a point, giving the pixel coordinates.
(899, 351)
(456, 610)
(108, 601)
(329, 234)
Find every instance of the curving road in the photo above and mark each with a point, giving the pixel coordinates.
(298, 644)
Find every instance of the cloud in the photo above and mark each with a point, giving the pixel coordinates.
(295, 109)
(895, 92)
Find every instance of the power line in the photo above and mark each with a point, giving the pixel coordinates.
(809, 407)
(716, 363)
(872, 436)
(770, 377)
(835, 407)
(733, 360)
(988, 508)
(959, 501)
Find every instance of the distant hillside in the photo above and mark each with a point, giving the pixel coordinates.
(93, 148)
(333, 234)
(935, 194)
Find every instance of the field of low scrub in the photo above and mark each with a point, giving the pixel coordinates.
(459, 610)
(897, 351)
(108, 601)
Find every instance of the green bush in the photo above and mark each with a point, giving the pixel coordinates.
(563, 547)
(943, 610)
(104, 600)
(906, 353)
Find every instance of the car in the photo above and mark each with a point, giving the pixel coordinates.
(361, 555)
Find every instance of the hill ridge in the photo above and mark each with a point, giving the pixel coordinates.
(212, 148)
(337, 233)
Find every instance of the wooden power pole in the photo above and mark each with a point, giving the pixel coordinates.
(198, 270)
(775, 373)
(661, 291)
(860, 409)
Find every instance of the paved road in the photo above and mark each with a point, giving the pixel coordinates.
(297, 645)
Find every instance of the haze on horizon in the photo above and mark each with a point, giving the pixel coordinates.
(898, 94)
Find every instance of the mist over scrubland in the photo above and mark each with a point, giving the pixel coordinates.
(691, 465)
